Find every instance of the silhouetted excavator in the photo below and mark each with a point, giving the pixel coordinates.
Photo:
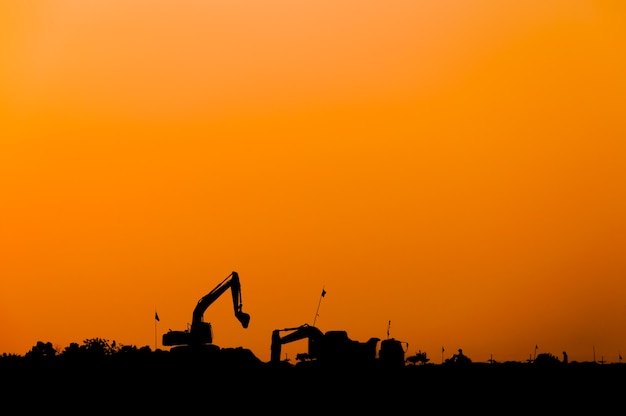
(332, 348)
(201, 333)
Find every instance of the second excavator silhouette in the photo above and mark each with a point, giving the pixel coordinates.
(201, 333)
(332, 348)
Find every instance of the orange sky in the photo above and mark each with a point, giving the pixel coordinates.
(454, 167)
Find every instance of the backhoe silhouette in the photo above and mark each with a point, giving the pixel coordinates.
(332, 348)
(201, 333)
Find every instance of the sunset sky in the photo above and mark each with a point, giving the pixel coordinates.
(456, 168)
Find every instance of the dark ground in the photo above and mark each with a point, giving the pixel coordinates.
(240, 384)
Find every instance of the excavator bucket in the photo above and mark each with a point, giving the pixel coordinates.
(244, 318)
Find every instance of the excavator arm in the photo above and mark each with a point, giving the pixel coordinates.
(313, 334)
(230, 282)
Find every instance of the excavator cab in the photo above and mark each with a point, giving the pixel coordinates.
(202, 333)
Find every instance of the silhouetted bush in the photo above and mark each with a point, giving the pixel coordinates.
(546, 360)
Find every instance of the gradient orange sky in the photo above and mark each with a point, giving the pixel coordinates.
(454, 167)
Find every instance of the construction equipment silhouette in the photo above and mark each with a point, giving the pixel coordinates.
(201, 333)
(334, 348)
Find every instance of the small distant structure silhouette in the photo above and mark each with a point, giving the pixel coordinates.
(459, 358)
(302, 356)
(419, 358)
(392, 351)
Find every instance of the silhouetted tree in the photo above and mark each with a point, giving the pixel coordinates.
(41, 350)
(71, 350)
(99, 347)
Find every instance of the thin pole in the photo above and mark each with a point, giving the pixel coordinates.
(156, 319)
(318, 305)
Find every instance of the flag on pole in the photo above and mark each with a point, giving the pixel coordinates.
(442, 349)
(156, 316)
(323, 293)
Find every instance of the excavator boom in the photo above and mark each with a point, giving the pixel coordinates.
(313, 334)
(230, 282)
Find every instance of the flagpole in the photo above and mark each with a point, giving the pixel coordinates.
(318, 305)
(156, 319)
(155, 329)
